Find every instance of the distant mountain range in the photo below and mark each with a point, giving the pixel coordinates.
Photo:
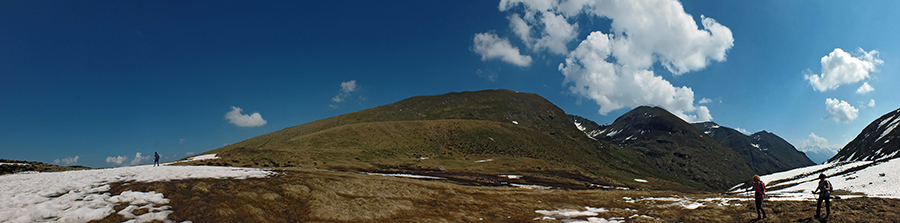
(817, 154)
(765, 152)
(485, 136)
(697, 151)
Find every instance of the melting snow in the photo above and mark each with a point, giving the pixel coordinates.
(578, 125)
(537, 187)
(890, 128)
(83, 195)
(515, 122)
(613, 133)
(571, 215)
(484, 160)
(16, 164)
(878, 180)
(407, 176)
(640, 180)
(196, 158)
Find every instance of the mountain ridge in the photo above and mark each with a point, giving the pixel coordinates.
(765, 152)
(876, 141)
(676, 147)
(514, 133)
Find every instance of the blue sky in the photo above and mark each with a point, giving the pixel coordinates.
(94, 83)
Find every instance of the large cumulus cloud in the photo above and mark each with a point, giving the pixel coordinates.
(614, 67)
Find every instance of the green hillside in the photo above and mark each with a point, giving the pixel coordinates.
(444, 135)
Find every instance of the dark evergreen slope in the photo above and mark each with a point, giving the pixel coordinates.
(676, 147)
(878, 140)
(519, 133)
(765, 152)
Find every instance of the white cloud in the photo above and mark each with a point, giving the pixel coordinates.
(189, 154)
(138, 158)
(615, 69)
(840, 111)
(555, 31)
(705, 101)
(347, 87)
(839, 67)
(118, 160)
(67, 160)
(489, 46)
(815, 140)
(181, 141)
(816, 143)
(872, 103)
(235, 117)
(865, 88)
(743, 131)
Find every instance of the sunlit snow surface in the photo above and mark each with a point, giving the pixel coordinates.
(878, 180)
(83, 195)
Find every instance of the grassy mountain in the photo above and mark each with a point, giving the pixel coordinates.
(506, 132)
(15, 166)
(677, 148)
(765, 152)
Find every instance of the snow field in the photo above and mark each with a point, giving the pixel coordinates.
(83, 195)
(196, 158)
(879, 180)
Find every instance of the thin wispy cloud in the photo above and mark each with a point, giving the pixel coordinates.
(487, 75)
(347, 88)
(243, 120)
(67, 160)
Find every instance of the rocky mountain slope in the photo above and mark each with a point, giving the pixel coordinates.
(675, 147)
(877, 141)
(765, 151)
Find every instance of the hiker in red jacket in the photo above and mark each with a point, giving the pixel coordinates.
(760, 188)
(824, 190)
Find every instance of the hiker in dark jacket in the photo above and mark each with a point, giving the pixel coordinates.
(760, 188)
(824, 190)
(155, 159)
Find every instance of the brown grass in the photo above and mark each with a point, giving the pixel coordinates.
(310, 195)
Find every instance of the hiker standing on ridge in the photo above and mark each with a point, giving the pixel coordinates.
(155, 159)
(824, 190)
(760, 188)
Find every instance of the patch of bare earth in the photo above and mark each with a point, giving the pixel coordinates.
(309, 195)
